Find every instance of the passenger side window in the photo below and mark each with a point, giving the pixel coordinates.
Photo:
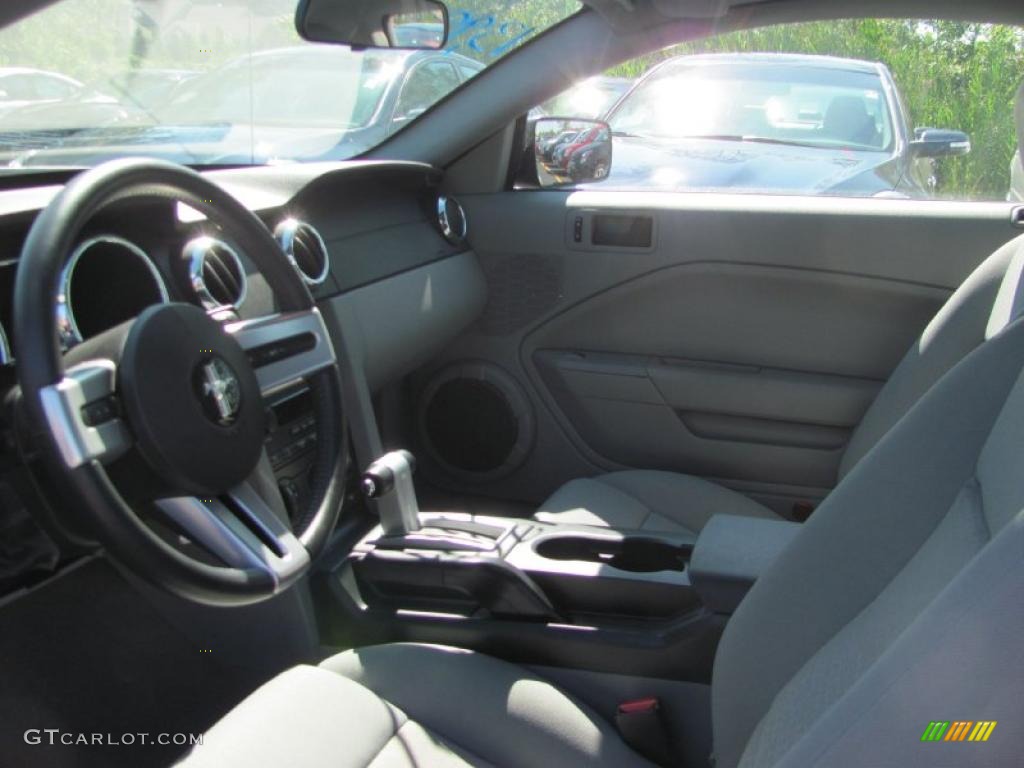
(859, 108)
(427, 83)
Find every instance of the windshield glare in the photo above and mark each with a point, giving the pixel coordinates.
(338, 88)
(227, 82)
(785, 103)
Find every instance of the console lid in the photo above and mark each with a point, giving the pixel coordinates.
(731, 552)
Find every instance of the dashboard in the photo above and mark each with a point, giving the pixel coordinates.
(141, 252)
(372, 240)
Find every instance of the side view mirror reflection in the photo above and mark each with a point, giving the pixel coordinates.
(940, 142)
(571, 151)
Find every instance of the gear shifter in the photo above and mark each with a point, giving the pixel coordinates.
(389, 481)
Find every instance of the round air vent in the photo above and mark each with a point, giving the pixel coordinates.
(305, 249)
(216, 273)
(451, 220)
(475, 421)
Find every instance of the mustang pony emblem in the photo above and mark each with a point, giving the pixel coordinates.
(221, 393)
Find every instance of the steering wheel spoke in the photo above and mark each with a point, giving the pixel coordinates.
(84, 414)
(285, 348)
(241, 530)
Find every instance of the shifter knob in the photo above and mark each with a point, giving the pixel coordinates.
(379, 478)
(388, 481)
(375, 484)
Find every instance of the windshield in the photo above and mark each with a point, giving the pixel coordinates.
(759, 101)
(228, 82)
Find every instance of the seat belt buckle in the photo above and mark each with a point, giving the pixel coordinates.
(641, 725)
(801, 511)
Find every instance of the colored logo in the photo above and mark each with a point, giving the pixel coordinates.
(958, 730)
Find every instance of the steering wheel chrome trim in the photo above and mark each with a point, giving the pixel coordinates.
(248, 536)
(67, 324)
(285, 348)
(64, 404)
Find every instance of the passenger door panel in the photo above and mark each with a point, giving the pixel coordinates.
(743, 345)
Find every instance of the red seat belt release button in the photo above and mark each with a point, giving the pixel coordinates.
(638, 705)
(641, 726)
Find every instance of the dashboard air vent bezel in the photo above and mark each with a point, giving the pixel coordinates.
(292, 232)
(452, 231)
(198, 252)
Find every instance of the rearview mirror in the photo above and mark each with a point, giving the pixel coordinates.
(939, 142)
(374, 23)
(570, 151)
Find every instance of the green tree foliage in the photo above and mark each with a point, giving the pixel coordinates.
(951, 75)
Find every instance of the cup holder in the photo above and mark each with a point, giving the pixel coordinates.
(632, 553)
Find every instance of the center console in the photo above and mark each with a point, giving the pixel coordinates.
(560, 595)
(634, 602)
(497, 568)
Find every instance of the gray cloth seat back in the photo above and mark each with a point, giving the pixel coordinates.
(964, 322)
(900, 602)
(972, 314)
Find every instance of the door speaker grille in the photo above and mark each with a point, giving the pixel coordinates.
(475, 421)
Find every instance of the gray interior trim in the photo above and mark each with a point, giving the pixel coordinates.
(259, 188)
(398, 324)
(666, 327)
(731, 552)
(686, 707)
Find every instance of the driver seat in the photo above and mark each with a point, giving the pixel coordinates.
(897, 604)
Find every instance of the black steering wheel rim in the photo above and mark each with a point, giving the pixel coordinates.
(41, 372)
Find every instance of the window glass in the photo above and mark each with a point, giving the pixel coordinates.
(229, 81)
(467, 71)
(426, 84)
(592, 98)
(759, 99)
(862, 108)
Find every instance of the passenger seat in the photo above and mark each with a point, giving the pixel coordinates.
(668, 501)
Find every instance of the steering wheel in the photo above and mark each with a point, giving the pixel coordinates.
(174, 400)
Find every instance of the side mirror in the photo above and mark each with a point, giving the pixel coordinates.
(412, 24)
(939, 142)
(570, 151)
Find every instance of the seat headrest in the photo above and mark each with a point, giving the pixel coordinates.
(844, 110)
